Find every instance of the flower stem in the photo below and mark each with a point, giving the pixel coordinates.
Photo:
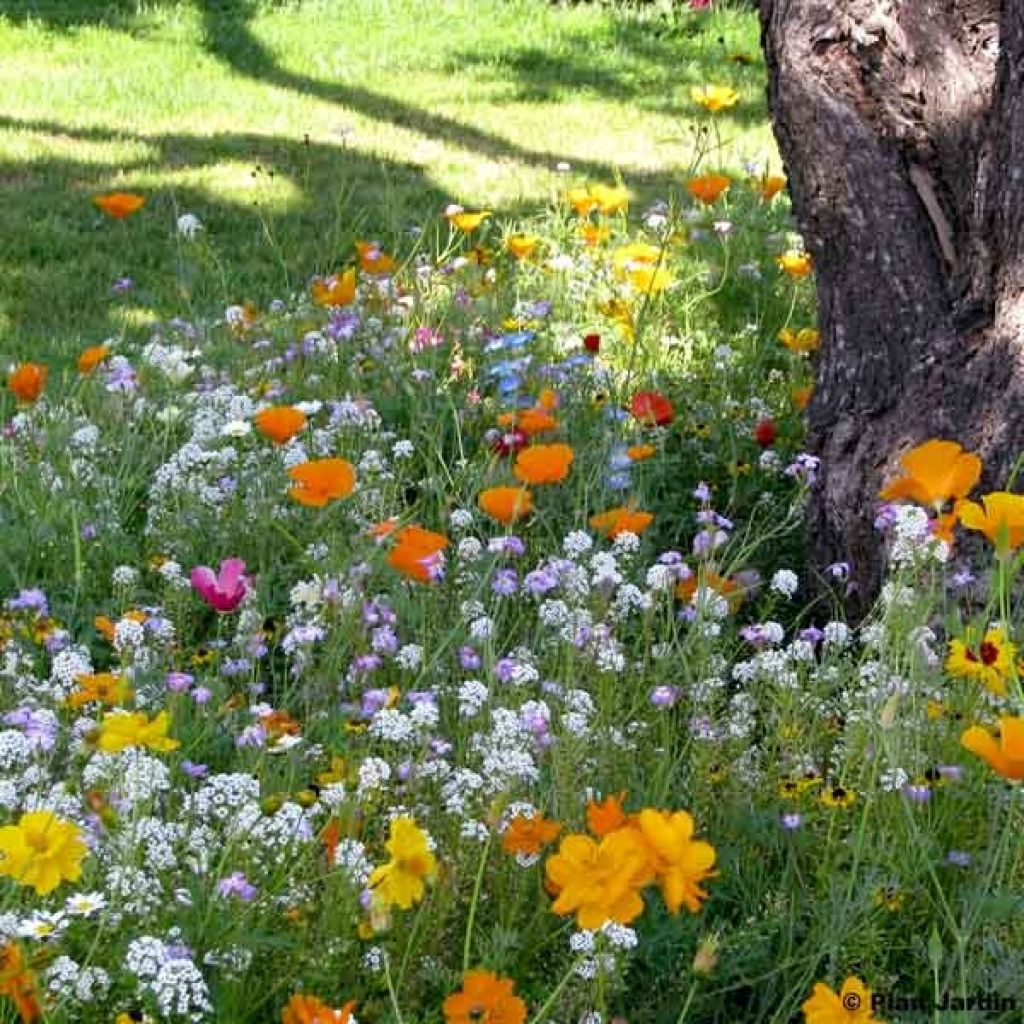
(467, 945)
(391, 990)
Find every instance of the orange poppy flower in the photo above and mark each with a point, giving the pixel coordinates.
(1003, 753)
(770, 186)
(594, 234)
(417, 553)
(795, 264)
(27, 381)
(91, 357)
(543, 463)
(466, 221)
(321, 481)
(18, 983)
(803, 342)
(621, 520)
(933, 473)
(99, 688)
(1001, 519)
(506, 504)
(522, 247)
(303, 1009)
(484, 999)
(582, 202)
(528, 836)
(530, 421)
(708, 187)
(280, 423)
(641, 452)
(372, 260)
(606, 816)
(802, 397)
(610, 198)
(120, 204)
(721, 585)
(383, 529)
(337, 290)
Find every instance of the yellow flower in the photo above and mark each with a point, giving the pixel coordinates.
(467, 222)
(649, 279)
(122, 729)
(934, 472)
(795, 263)
(1003, 753)
(42, 851)
(770, 186)
(991, 666)
(708, 187)
(522, 247)
(1001, 520)
(337, 290)
(837, 796)
(806, 340)
(610, 198)
(600, 881)
(680, 863)
(401, 882)
(714, 98)
(851, 1005)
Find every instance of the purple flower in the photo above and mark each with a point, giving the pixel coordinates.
(225, 590)
(236, 884)
(122, 285)
(33, 600)
(179, 682)
(959, 858)
(505, 582)
(811, 635)
(919, 793)
(469, 659)
(194, 770)
(665, 696)
(202, 694)
(792, 821)
(540, 581)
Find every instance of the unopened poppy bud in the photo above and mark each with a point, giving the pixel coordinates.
(706, 958)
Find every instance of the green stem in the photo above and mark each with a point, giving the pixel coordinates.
(686, 1006)
(391, 989)
(550, 1001)
(478, 882)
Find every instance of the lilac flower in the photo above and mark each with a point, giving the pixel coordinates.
(202, 694)
(540, 581)
(918, 793)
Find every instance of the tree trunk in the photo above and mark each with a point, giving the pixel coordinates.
(901, 125)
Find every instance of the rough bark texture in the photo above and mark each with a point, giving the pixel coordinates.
(901, 125)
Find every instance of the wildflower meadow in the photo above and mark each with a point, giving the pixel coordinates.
(434, 639)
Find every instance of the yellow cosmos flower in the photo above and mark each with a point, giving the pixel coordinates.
(680, 863)
(402, 880)
(991, 664)
(42, 851)
(122, 729)
(714, 98)
(850, 1005)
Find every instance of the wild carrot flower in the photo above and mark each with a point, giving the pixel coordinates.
(528, 836)
(303, 1009)
(851, 1005)
(708, 187)
(225, 590)
(680, 862)
(934, 472)
(991, 664)
(402, 880)
(321, 481)
(27, 381)
(484, 999)
(42, 850)
(119, 205)
(507, 505)
(544, 463)
(280, 423)
(599, 881)
(714, 98)
(1004, 752)
(122, 729)
(1000, 517)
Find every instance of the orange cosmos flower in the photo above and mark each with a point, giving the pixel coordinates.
(528, 836)
(484, 999)
(934, 472)
(280, 423)
(850, 1005)
(708, 187)
(621, 520)
(303, 1009)
(607, 816)
(467, 222)
(337, 290)
(770, 186)
(100, 688)
(417, 553)
(795, 264)
(90, 358)
(119, 205)
(522, 247)
(321, 481)
(27, 381)
(18, 983)
(1001, 520)
(1004, 753)
(544, 463)
(641, 452)
(679, 862)
(372, 260)
(506, 504)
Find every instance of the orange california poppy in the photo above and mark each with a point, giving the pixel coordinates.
(302, 1009)
(543, 463)
(607, 815)
(280, 423)
(528, 836)
(337, 290)
(418, 553)
(582, 202)
(119, 205)
(594, 234)
(506, 504)
(641, 452)
(803, 342)
(610, 198)
(802, 397)
(466, 221)
(621, 520)
(91, 357)
(770, 186)
(1004, 753)
(1001, 519)
(379, 531)
(721, 585)
(484, 999)
(373, 260)
(522, 247)
(322, 480)
(27, 381)
(708, 187)
(530, 421)
(795, 263)
(934, 472)
(18, 983)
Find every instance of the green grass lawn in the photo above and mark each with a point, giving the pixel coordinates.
(290, 129)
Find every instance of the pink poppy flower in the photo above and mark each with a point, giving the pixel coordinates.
(222, 591)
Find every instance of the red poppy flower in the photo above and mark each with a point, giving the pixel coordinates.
(765, 433)
(592, 343)
(652, 408)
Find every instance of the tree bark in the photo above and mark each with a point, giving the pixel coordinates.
(901, 126)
